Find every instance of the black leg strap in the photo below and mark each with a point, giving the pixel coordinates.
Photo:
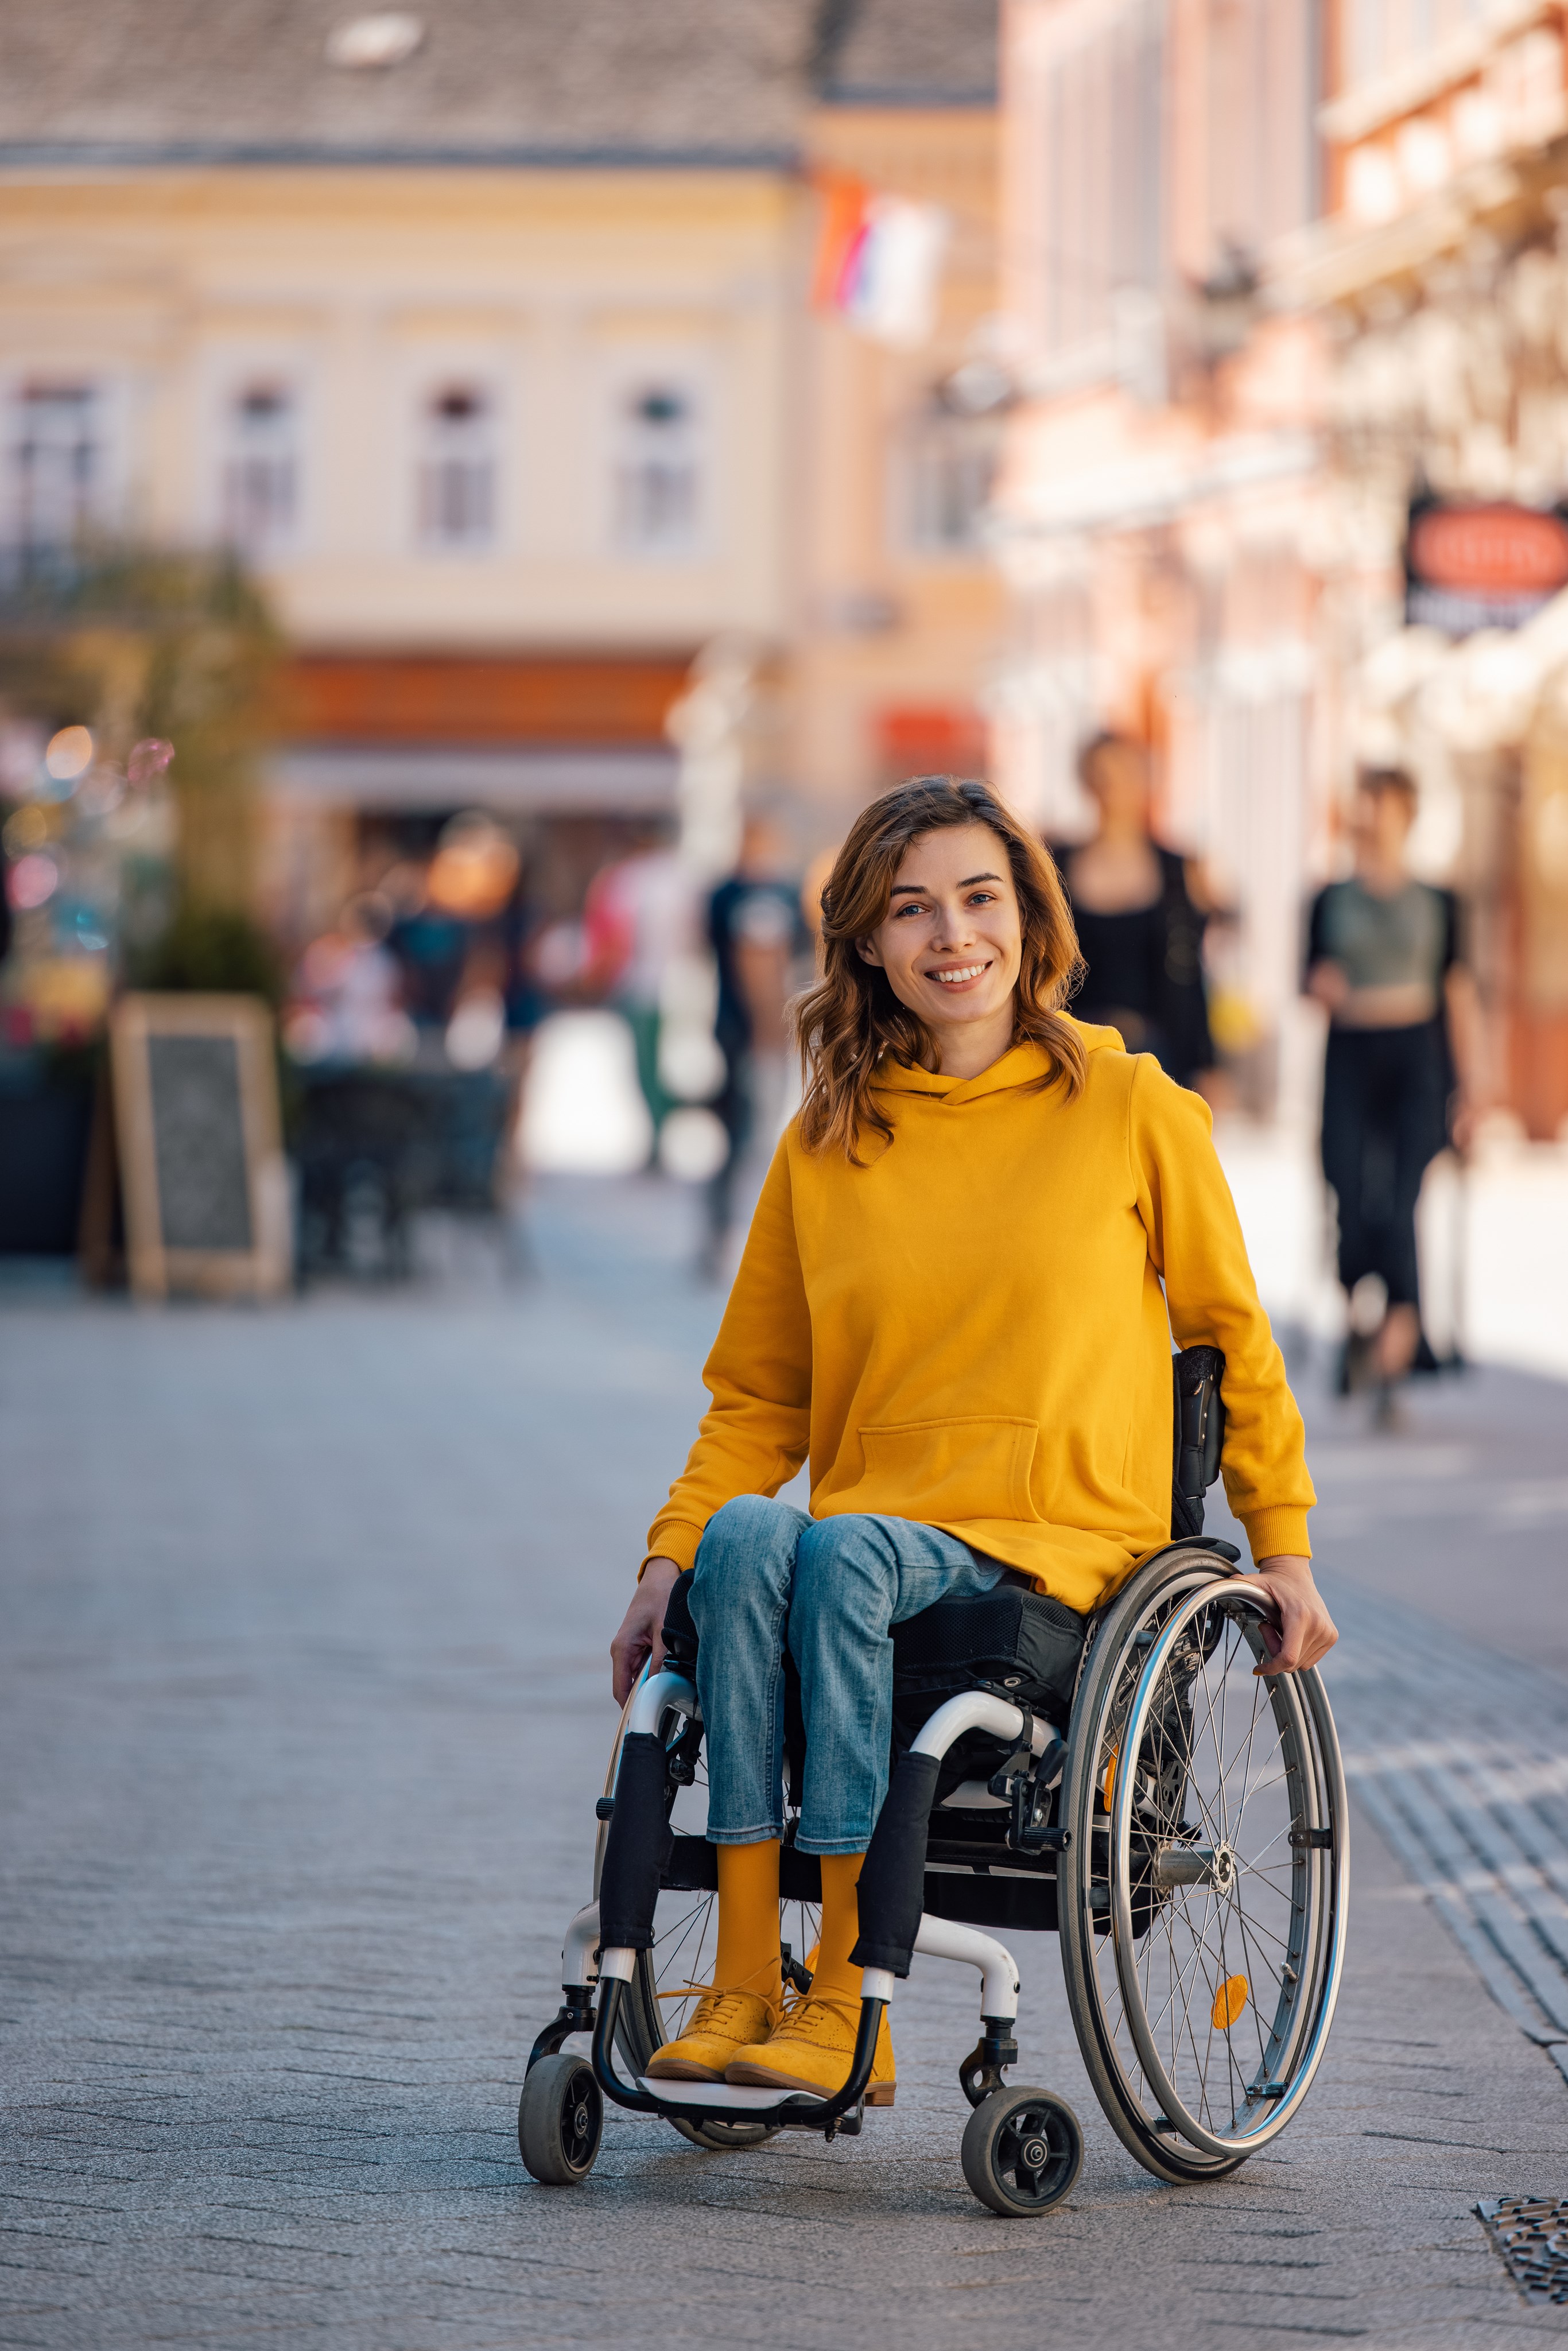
(892, 1876)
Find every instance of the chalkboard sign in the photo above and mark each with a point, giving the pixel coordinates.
(195, 1093)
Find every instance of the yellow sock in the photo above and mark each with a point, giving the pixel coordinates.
(841, 1926)
(747, 1955)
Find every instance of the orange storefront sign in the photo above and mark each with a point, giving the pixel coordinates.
(1490, 551)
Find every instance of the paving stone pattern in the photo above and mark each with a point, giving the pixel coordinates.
(303, 1713)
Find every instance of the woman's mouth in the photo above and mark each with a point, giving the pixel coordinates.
(959, 974)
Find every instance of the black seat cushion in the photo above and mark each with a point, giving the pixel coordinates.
(1024, 1641)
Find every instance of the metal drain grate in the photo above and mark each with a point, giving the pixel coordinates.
(1531, 2233)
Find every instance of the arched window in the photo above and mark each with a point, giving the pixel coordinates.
(457, 468)
(261, 467)
(659, 490)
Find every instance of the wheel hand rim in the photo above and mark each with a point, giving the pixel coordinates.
(1308, 1949)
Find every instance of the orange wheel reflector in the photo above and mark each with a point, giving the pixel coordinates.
(1229, 2002)
(1107, 1786)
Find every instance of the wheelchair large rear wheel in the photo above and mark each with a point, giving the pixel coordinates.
(1203, 1895)
(671, 1977)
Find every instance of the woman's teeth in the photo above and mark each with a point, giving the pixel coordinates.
(965, 971)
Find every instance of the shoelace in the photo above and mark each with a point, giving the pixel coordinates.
(715, 2012)
(806, 2013)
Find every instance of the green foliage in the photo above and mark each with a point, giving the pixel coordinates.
(137, 643)
(215, 950)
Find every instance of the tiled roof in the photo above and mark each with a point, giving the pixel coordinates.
(508, 79)
(907, 52)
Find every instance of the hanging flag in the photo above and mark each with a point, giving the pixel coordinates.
(879, 261)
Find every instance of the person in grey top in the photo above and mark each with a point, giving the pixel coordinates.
(1384, 957)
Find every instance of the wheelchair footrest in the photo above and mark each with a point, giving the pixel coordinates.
(734, 2097)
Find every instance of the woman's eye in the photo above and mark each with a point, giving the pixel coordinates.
(910, 906)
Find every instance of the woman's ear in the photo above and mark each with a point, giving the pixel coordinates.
(869, 951)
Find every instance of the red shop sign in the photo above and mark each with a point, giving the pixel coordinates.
(1490, 551)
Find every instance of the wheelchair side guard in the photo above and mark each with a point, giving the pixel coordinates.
(638, 1845)
(639, 1838)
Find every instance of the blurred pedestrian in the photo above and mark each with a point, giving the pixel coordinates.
(1385, 959)
(753, 924)
(1140, 927)
(347, 999)
(638, 917)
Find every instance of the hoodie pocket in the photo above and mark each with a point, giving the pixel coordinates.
(940, 1471)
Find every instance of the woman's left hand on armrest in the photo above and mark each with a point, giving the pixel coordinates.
(1304, 1631)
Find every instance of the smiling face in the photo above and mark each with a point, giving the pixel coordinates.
(951, 941)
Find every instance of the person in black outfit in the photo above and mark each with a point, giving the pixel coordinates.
(1140, 932)
(753, 924)
(1384, 957)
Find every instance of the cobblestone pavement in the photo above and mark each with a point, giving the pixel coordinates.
(303, 1711)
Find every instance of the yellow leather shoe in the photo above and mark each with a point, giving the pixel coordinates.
(812, 2049)
(723, 2023)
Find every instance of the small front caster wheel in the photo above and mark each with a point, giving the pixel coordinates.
(560, 2121)
(1021, 2151)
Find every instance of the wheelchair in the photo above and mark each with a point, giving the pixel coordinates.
(1123, 1780)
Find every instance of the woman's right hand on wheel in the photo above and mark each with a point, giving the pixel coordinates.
(638, 1637)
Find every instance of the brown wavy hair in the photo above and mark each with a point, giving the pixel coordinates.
(850, 1023)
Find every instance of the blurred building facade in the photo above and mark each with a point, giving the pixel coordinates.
(472, 335)
(1285, 279)
(1440, 278)
(486, 337)
(1160, 505)
(901, 605)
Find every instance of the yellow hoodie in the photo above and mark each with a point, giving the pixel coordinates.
(969, 1330)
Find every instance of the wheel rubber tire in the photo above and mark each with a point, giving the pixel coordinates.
(1022, 2151)
(560, 2121)
(1168, 2157)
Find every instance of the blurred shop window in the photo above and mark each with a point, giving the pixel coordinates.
(659, 461)
(457, 469)
(950, 465)
(261, 469)
(56, 465)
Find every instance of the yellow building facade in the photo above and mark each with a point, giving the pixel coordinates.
(488, 343)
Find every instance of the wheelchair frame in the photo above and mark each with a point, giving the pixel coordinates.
(1164, 1622)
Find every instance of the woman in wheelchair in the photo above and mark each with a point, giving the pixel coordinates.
(957, 1300)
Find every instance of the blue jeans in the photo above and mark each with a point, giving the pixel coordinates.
(766, 1573)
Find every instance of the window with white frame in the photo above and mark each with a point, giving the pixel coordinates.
(457, 474)
(659, 461)
(56, 463)
(949, 466)
(260, 488)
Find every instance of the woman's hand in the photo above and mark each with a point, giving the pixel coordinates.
(1305, 1631)
(641, 1627)
(1329, 982)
